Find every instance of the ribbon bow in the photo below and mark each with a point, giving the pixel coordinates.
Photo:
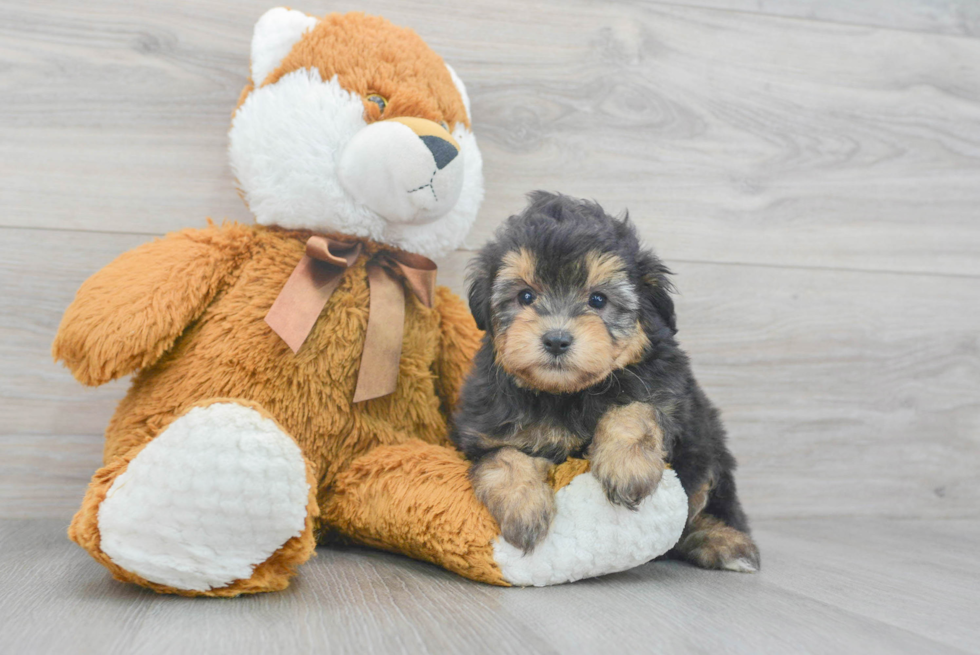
(318, 274)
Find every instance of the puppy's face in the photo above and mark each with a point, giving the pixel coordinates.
(561, 325)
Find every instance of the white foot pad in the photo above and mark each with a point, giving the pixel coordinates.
(212, 497)
(590, 536)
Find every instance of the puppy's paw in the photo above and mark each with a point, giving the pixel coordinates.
(524, 521)
(627, 453)
(711, 544)
(629, 474)
(514, 487)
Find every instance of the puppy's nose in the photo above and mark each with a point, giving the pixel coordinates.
(556, 342)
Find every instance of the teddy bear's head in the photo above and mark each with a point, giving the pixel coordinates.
(352, 125)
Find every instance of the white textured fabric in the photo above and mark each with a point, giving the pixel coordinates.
(275, 34)
(210, 498)
(590, 536)
(387, 168)
(285, 146)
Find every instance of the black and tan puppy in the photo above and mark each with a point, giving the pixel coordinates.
(579, 359)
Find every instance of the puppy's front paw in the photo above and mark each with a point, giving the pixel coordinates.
(627, 453)
(628, 475)
(514, 487)
(524, 520)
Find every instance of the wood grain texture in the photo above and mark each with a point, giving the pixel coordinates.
(953, 17)
(40, 270)
(357, 601)
(908, 574)
(46, 475)
(844, 392)
(731, 136)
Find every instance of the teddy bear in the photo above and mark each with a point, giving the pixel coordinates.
(293, 379)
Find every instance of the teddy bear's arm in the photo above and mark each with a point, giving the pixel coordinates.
(459, 341)
(130, 313)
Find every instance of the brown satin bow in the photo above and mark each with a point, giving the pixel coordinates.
(318, 274)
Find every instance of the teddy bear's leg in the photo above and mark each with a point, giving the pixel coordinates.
(416, 498)
(220, 503)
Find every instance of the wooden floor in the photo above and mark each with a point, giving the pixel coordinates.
(828, 586)
(809, 168)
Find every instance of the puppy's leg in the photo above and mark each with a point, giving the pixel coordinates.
(514, 487)
(716, 535)
(627, 453)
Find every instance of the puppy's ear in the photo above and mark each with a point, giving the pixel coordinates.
(656, 287)
(479, 279)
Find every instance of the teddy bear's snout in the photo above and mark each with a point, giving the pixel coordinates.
(407, 170)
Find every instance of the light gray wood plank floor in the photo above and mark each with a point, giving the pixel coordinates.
(827, 586)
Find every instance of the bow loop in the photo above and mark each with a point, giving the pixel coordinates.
(315, 278)
(418, 272)
(332, 251)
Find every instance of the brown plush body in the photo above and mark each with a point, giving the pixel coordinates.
(229, 352)
(187, 313)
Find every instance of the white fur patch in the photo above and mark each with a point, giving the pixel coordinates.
(590, 536)
(285, 143)
(275, 34)
(388, 168)
(740, 565)
(212, 497)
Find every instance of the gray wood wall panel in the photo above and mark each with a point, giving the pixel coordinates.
(731, 136)
(953, 17)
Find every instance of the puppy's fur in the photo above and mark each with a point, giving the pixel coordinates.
(579, 358)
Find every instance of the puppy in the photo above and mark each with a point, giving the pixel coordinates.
(579, 359)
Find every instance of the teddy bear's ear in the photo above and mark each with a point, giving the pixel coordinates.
(462, 90)
(275, 35)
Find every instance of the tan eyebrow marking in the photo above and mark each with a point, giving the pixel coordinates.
(603, 268)
(518, 265)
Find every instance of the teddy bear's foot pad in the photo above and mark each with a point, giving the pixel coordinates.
(590, 536)
(213, 496)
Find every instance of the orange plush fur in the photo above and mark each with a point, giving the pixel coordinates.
(377, 57)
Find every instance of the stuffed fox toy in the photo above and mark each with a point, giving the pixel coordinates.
(293, 379)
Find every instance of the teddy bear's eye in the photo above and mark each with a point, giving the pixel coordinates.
(525, 297)
(379, 101)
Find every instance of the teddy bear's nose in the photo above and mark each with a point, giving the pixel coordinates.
(443, 151)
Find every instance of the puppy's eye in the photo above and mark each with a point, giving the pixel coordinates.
(525, 297)
(379, 101)
(597, 300)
